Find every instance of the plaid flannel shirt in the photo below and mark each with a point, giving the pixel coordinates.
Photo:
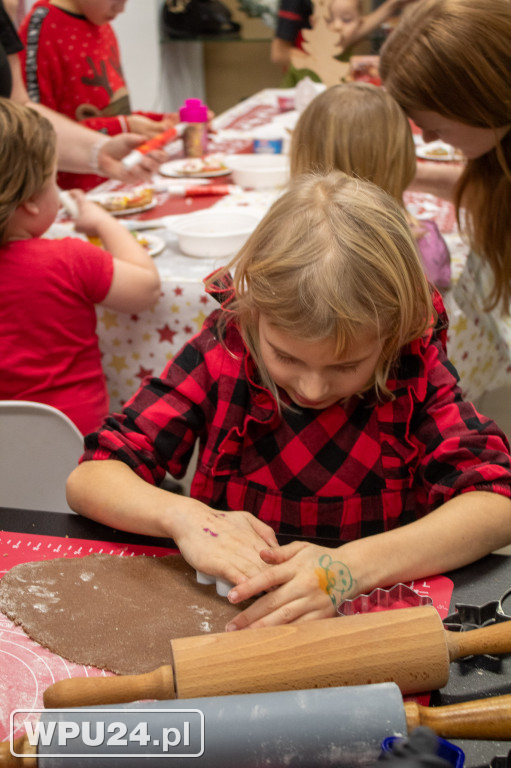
(351, 470)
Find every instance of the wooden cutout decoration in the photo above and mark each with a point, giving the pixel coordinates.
(320, 50)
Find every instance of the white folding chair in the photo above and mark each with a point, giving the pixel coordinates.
(39, 448)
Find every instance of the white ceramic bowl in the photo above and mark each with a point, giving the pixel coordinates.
(259, 171)
(210, 234)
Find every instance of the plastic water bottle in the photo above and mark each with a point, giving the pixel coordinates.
(195, 137)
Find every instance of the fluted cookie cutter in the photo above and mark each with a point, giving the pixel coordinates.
(398, 596)
(222, 585)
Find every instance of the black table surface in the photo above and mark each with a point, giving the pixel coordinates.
(476, 586)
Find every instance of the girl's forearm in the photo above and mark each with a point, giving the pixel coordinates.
(436, 179)
(459, 532)
(123, 245)
(111, 493)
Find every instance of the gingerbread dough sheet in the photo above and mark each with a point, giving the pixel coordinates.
(112, 612)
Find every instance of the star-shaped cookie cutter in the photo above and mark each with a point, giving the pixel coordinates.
(470, 616)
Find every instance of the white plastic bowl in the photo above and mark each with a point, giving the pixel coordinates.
(259, 171)
(210, 234)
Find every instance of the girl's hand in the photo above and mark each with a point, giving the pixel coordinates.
(224, 544)
(305, 582)
(90, 214)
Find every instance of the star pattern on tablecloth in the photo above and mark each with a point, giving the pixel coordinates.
(118, 362)
(143, 372)
(151, 340)
(199, 319)
(109, 319)
(166, 333)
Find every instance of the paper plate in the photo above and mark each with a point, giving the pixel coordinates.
(104, 198)
(153, 244)
(438, 151)
(174, 169)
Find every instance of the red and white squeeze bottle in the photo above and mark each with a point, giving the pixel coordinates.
(194, 114)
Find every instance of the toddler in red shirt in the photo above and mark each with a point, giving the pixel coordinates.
(48, 343)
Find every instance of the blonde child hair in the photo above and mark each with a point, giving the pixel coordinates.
(332, 258)
(364, 133)
(453, 57)
(27, 157)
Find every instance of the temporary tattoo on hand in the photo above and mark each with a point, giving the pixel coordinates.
(334, 578)
(211, 533)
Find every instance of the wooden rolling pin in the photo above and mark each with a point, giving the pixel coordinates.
(316, 728)
(408, 646)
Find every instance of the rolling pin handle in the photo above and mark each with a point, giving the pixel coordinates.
(479, 719)
(89, 691)
(26, 754)
(495, 639)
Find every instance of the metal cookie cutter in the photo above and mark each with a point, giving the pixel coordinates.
(398, 596)
(469, 616)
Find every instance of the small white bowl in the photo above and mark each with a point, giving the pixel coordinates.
(210, 234)
(259, 171)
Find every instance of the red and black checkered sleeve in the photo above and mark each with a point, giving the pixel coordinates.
(158, 427)
(459, 449)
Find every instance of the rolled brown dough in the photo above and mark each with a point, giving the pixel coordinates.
(112, 612)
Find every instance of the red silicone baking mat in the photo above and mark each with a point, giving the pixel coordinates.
(26, 668)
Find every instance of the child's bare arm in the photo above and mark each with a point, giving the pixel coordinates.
(384, 11)
(225, 544)
(307, 581)
(280, 52)
(136, 282)
(437, 179)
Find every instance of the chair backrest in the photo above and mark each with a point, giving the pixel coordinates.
(39, 448)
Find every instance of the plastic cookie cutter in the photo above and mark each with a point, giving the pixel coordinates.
(222, 586)
(398, 596)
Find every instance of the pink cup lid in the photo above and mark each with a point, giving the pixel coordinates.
(193, 111)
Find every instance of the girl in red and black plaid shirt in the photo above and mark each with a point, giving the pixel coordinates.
(324, 407)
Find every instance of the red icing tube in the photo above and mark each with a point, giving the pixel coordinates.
(157, 142)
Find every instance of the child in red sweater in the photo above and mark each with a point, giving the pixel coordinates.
(72, 64)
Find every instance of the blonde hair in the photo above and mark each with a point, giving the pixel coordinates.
(364, 133)
(453, 57)
(27, 157)
(332, 258)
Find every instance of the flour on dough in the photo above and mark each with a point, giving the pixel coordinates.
(112, 612)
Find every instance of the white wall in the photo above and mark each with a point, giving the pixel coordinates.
(159, 77)
(137, 31)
